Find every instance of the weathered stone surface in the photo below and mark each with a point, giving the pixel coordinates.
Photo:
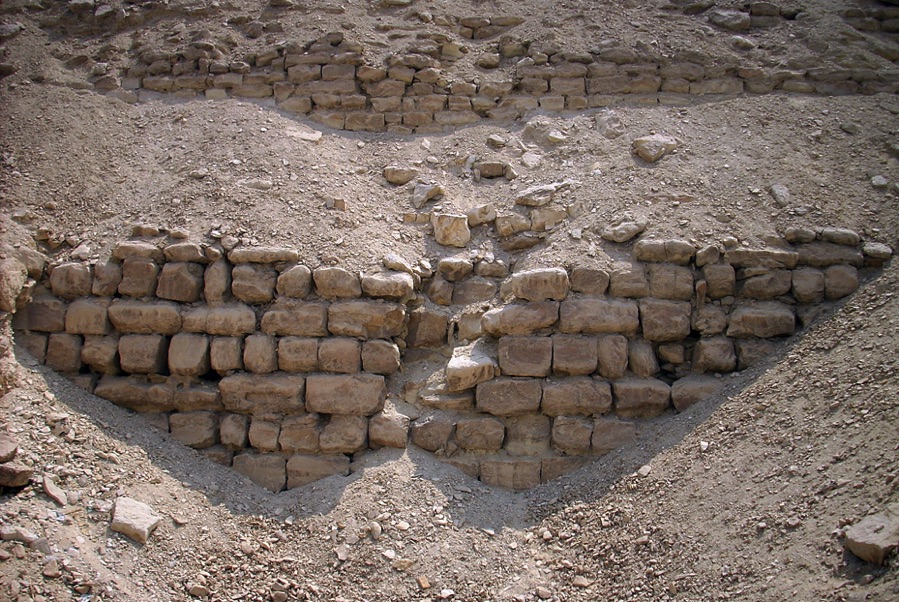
(101, 354)
(142, 353)
(573, 355)
(511, 474)
(772, 259)
(366, 319)
(520, 319)
(678, 252)
(623, 232)
(45, 313)
(260, 354)
(753, 351)
(482, 214)
(474, 290)
(180, 281)
(537, 285)
(226, 320)
(451, 229)
(288, 317)
(300, 434)
(302, 470)
(480, 433)
(667, 281)
(15, 474)
(598, 316)
(400, 175)
(432, 432)
(243, 255)
(874, 537)
(380, 357)
(766, 286)
(808, 285)
(525, 356)
(266, 470)
(195, 429)
(297, 354)
(295, 282)
(64, 353)
(134, 248)
(427, 328)
(353, 394)
(709, 320)
(557, 466)
(339, 355)
(654, 147)
(107, 276)
(720, 280)
(732, 20)
(665, 320)
(424, 192)
(640, 397)
(390, 285)
(134, 519)
(71, 280)
(469, 366)
(185, 251)
(131, 392)
(388, 429)
(576, 396)
(609, 434)
(253, 284)
(839, 281)
(454, 269)
(527, 434)
(88, 316)
(612, 355)
(344, 435)
(691, 389)
(129, 316)
(440, 291)
(226, 354)
(824, 254)
(258, 394)
(641, 359)
(233, 431)
(629, 281)
(572, 434)
(508, 396)
(8, 447)
(217, 281)
(589, 281)
(840, 236)
(189, 354)
(139, 277)
(714, 354)
(761, 320)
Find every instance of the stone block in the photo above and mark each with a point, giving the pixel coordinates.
(629, 281)
(288, 317)
(665, 321)
(753, 351)
(136, 248)
(525, 356)
(217, 281)
(715, 354)
(511, 474)
(640, 397)
(142, 353)
(691, 389)
(588, 315)
(253, 284)
(573, 355)
(432, 432)
(366, 319)
(295, 282)
(302, 469)
(388, 429)
(132, 393)
(480, 433)
(88, 316)
(219, 454)
(388, 285)
(720, 280)
(243, 255)
(380, 357)
(772, 259)
(180, 281)
(611, 355)
(440, 291)
(555, 467)
(451, 229)
(671, 353)
(185, 251)
(139, 277)
(266, 394)
(336, 283)
(298, 354)
(353, 394)
(71, 280)
(576, 396)
(537, 285)
(761, 320)
(339, 355)
(191, 398)
(427, 328)
(100, 353)
(266, 470)
(454, 269)
(263, 434)
(134, 519)
(824, 254)
(64, 352)
(875, 536)
(260, 354)
(589, 281)
(667, 281)
(528, 434)
(808, 285)
(641, 358)
(344, 434)
(839, 281)
(107, 277)
(474, 290)
(189, 354)
(195, 429)
(469, 366)
(522, 319)
(43, 314)
(610, 434)
(766, 286)
(679, 252)
(128, 316)
(36, 344)
(509, 396)
(226, 354)
(572, 434)
(300, 434)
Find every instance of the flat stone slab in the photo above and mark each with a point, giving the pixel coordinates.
(134, 519)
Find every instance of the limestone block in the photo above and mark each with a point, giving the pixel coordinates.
(295, 282)
(142, 353)
(665, 320)
(772, 259)
(253, 284)
(480, 433)
(101, 354)
(720, 280)
(874, 537)
(226, 354)
(640, 397)
(189, 354)
(525, 356)
(366, 319)
(388, 429)
(839, 281)
(133, 393)
(537, 285)
(469, 366)
(389, 285)
(185, 251)
(36, 344)
(88, 316)
(508, 396)
(302, 469)
(557, 466)
(679, 252)
(511, 474)
(612, 355)
(353, 394)
(473, 290)
(260, 354)
(715, 354)
(527, 434)
(107, 277)
(691, 389)
(243, 255)
(266, 470)
(181, 281)
(298, 354)
(824, 254)
(140, 249)
(380, 357)
(268, 394)
(808, 285)
(339, 355)
(572, 434)
(44, 313)
(589, 281)
(400, 175)
(263, 434)
(761, 320)
(454, 269)
(649, 148)
(521, 319)
(840, 236)
(432, 432)
(288, 317)
(641, 358)
(217, 281)
(766, 286)
(139, 277)
(337, 283)
(579, 395)
(450, 229)
(573, 355)
(610, 434)
(507, 225)
(134, 519)
(344, 434)
(190, 398)
(440, 291)
(195, 429)
(300, 434)
(598, 316)
(71, 280)
(468, 325)
(753, 351)
(709, 320)
(128, 316)
(671, 353)
(481, 214)
(64, 352)
(629, 281)
(667, 281)
(427, 328)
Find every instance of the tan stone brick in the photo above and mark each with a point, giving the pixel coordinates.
(101, 354)
(366, 319)
(266, 470)
(691, 389)
(612, 352)
(571, 434)
(300, 434)
(195, 429)
(263, 394)
(339, 354)
(432, 432)
(287, 317)
(761, 320)
(427, 328)
(523, 319)
(64, 352)
(295, 282)
(189, 354)
(253, 284)
(665, 321)
(525, 356)
(509, 396)
(388, 429)
(353, 394)
(260, 354)
(233, 429)
(128, 316)
(217, 281)
(573, 355)
(44, 313)
(480, 433)
(302, 470)
(142, 353)
(579, 395)
(298, 354)
(336, 283)
(226, 354)
(139, 277)
(640, 397)
(715, 354)
(380, 357)
(180, 281)
(610, 434)
(71, 280)
(88, 316)
(511, 474)
(344, 434)
(263, 434)
(527, 434)
(598, 316)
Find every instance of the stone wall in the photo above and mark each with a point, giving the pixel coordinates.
(282, 371)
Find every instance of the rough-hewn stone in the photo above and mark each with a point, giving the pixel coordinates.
(762, 320)
(339, 354)
(353, 394)
(366, 319)
(129, 316)
(665, 320)
(303, 469)
(88, 316)
(527, 434)
(508, 396)
(714, 354)
(573, 355)
(480, 433)
(598, 316)
(572, 434)
(266, 470)
(263, 394)
(260, 354)
(525, 356)
(580, 395)
(142, 353)
(180, 281)
(469, 366)
(344, 435)
(288, 317)
(537, 285)
(640, 397)
(388, 429)
(189, 354)
(195, 429)
(253, 284)
(336, 283)
(71, 280)
(521, 319)
(691, 389)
